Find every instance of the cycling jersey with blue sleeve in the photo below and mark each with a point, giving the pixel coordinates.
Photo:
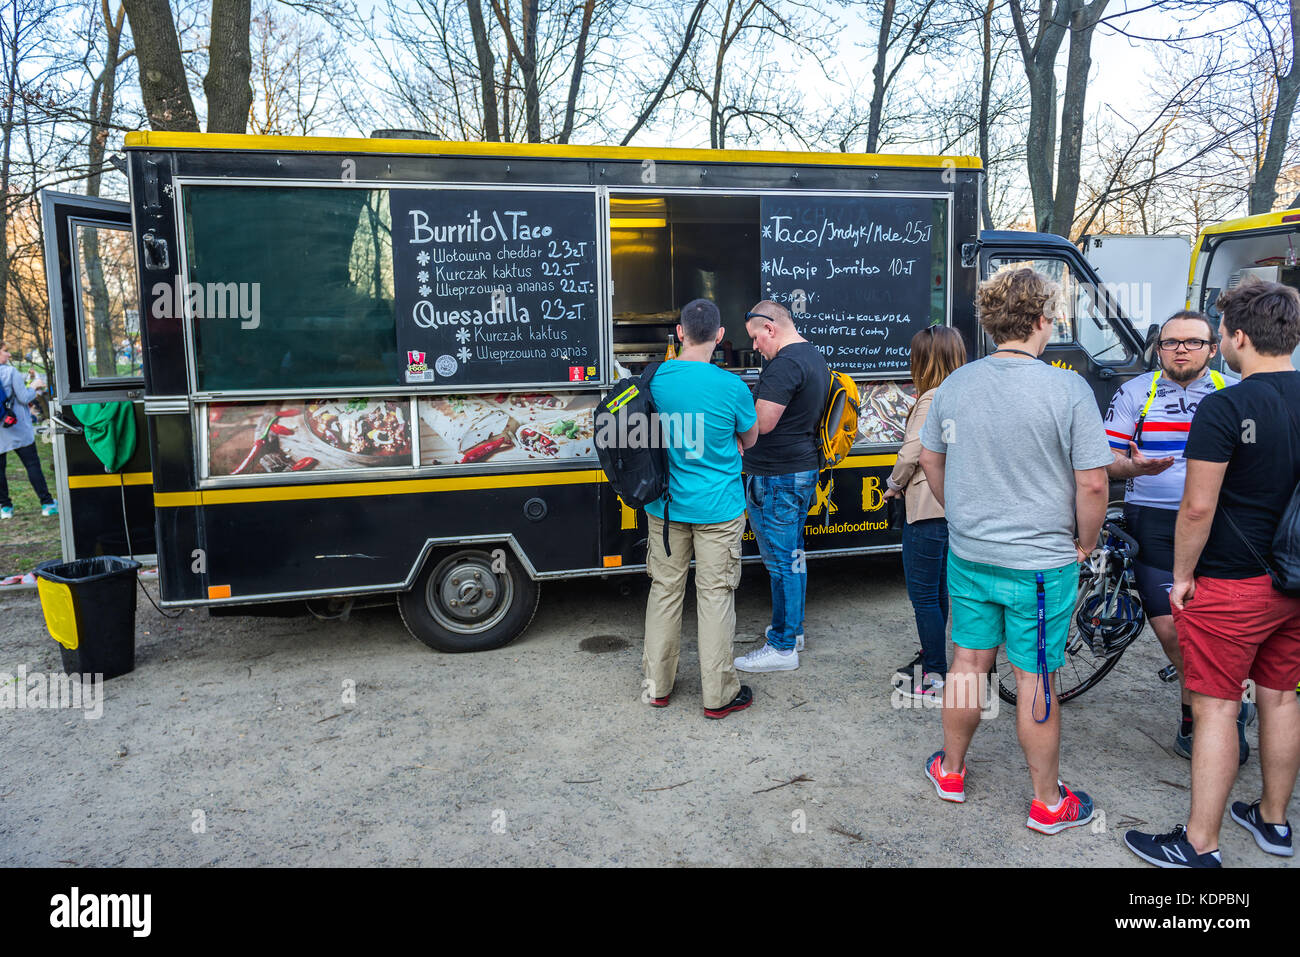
(1164, 431)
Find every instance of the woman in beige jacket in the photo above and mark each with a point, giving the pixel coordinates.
(936, 352)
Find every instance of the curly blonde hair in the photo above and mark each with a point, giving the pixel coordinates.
(1013, 300)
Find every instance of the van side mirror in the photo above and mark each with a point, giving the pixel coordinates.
(1152, 339)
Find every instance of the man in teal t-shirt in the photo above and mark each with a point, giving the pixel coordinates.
(707, 414)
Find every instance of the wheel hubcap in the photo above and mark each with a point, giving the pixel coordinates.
(465, 595)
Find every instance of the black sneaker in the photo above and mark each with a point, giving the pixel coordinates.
(1272, 838)
(1170, 850)
(743, 699)
(909, 670)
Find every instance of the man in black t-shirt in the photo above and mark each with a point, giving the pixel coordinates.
(1234, 629)
(781, 474)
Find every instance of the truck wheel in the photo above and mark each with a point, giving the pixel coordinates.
(458, 603)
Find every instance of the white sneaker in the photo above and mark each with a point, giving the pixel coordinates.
(798, 639)
(767, 658)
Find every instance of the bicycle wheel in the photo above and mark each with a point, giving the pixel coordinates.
(1082, 668)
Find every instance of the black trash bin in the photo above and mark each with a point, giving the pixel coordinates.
(89, 607)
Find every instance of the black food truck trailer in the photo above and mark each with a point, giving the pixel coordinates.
(369, 367)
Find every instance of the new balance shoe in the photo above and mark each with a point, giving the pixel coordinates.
(1170, 850)
(767, 658)
(949, 785)
(7, 512)
(1183, 743)
(925, 685)
(1271, 838)
(51, 509)
(743, 699)
(1074, 810)
(798, 639)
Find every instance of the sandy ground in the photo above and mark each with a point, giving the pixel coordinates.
(231, 744)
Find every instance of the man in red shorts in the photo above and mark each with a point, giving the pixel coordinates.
(1243, 463)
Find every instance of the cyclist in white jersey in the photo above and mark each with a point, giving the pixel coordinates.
(1147, 426)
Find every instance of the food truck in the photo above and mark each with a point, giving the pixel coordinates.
(364, 367)
(1265, 246)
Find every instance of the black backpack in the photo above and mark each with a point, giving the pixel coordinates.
(637, 471)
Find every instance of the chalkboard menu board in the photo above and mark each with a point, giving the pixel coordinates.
(496, 287)
(861, 274)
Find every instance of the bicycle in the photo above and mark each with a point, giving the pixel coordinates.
(1107, 617)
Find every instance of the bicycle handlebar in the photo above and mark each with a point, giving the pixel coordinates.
(1115, 530)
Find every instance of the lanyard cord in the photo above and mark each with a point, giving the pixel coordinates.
(1042, 652)
(1019, 352)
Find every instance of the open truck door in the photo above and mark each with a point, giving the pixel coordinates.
(1093, 336)
(94, 300)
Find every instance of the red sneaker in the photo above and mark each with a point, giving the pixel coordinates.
(948, 785)
(659, 702)
(1075, 809)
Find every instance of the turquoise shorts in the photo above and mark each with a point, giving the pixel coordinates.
(992, 605)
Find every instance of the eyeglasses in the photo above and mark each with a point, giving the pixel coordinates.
(1191, 345)
(757, 315)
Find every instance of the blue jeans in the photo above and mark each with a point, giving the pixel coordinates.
(778, 506)
(925, 565)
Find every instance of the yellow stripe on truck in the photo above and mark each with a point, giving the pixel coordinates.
(110, 480)
(147, 139)
(284, 493)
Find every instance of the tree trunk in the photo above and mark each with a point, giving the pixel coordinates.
(102, 101)
(227, 87)
(528, 67)
(1040, 70)
(486, 71)
(575, 80)
(1263, 191)
(878, 76)
(6, 153)
(1083, 23)
(986, 87)
(163, 87)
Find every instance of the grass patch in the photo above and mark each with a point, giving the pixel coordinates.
(28, 539)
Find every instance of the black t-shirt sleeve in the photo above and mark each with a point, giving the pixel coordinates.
(1215, 431)
(779, 381)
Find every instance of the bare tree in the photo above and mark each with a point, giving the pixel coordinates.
(1054, 196)
(737, 75)
(463, 71)
(296, 66)
(163, 83)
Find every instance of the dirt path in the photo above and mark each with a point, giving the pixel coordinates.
(543, 752)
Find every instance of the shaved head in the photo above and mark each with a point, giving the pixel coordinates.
(774, 311)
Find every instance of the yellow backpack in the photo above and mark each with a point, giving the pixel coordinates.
(839, 425)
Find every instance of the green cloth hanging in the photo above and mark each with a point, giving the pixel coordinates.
(110, 431)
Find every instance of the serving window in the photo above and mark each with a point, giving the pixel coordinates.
(443, 287)
(290, 288)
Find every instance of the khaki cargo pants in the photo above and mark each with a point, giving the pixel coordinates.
(716, 548)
